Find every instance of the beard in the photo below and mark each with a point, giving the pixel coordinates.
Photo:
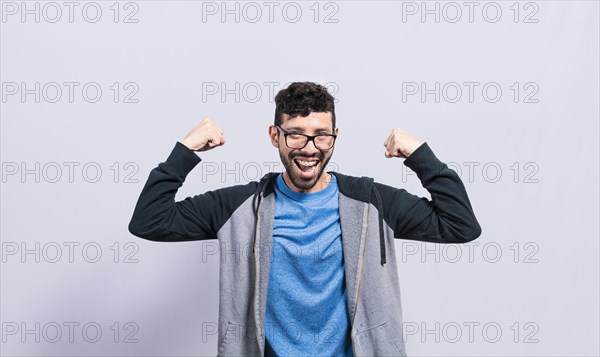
(304, 178)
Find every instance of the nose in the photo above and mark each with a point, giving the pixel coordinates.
(310, 148)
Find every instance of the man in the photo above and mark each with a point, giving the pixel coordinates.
(318, 274)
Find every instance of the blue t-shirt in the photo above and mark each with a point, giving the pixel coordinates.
(307, 312)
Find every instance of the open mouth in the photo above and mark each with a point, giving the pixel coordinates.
(307, 167)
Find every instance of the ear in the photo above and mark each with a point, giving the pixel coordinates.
(274, 136)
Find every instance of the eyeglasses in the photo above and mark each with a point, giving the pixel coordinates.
(299, 141)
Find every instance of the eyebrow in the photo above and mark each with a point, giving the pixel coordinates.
(295, 128)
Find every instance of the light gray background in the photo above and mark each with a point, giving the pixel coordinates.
(528, 286)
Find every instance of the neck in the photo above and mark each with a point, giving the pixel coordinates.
(321, 183)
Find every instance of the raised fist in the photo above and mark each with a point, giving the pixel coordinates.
(400, 144)
(205, 136)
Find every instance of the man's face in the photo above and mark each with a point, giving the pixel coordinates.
(304, 167)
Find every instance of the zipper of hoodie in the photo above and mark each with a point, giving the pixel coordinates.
(359, 270)
(257, 258)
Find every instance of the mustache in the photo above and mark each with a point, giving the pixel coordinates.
(314, 156)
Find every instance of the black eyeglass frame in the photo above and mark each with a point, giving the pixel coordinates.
(309, 138)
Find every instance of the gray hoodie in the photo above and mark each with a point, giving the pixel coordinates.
(372, 215)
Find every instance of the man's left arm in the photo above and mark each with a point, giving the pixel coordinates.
(448, 217)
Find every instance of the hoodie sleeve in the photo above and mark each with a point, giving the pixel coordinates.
(158, 217)
(447, 218)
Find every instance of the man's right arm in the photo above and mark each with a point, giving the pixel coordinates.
(158, 217)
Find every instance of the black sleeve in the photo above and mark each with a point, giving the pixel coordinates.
(158, 217)
(447, 218)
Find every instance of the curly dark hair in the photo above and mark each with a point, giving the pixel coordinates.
(303, 98)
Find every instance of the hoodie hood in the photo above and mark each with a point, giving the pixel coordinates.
(359, 188)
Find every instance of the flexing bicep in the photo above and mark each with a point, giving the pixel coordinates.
(443, 219)
(157, 216)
